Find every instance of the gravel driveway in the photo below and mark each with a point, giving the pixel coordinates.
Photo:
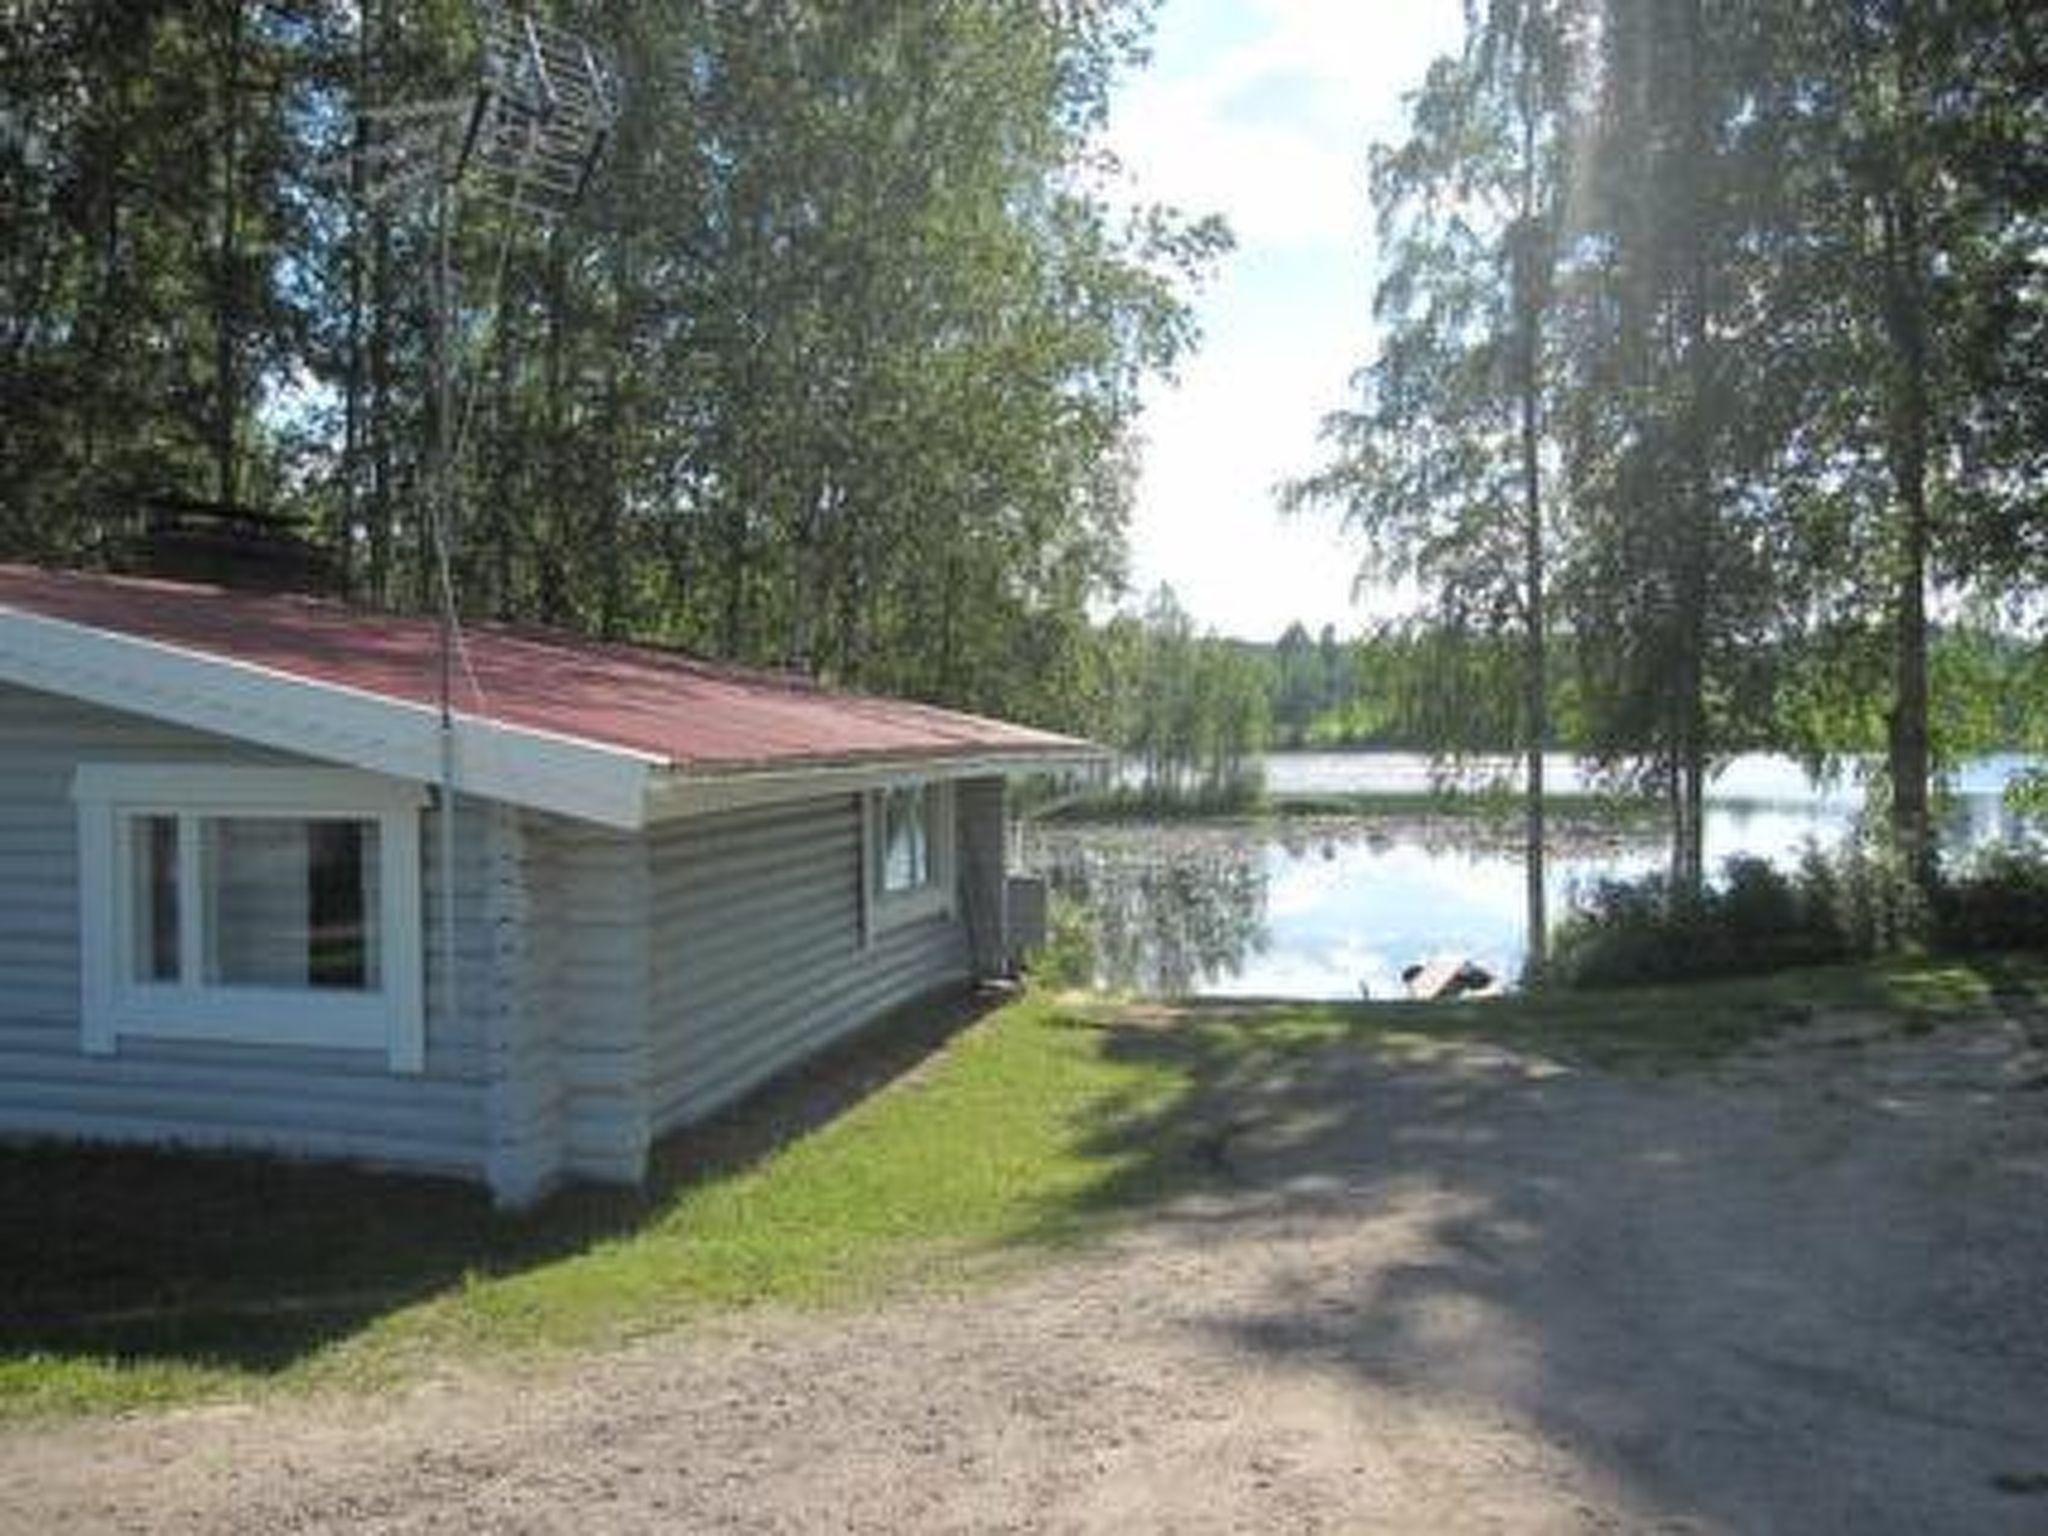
(1465, 1291)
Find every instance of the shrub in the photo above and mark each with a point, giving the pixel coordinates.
(1620, 933)
(1851, 904)
(1879, 907)
(1068, 958)
(1755, 918)
(2000, 901)
(1759, 914)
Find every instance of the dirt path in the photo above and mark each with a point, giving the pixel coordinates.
(1468, 1293)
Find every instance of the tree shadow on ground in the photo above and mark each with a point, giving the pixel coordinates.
(1797, 1305)
(253, 1263)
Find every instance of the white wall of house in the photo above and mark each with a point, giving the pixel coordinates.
(611, 986)
(569, 1031)
(759, 954)
(674, 972)
(207, 1093)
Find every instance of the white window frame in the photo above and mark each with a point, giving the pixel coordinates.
(391, 1018)
(882, 910)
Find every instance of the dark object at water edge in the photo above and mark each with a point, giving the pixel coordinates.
(1444, 979)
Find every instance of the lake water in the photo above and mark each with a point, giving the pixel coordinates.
(1324, 909)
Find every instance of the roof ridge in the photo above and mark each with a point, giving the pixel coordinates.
(521, 630)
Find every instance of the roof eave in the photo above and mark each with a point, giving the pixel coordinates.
(594, 781)
(682, 791)
(590, 781)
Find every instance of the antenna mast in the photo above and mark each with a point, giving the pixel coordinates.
(527, 135)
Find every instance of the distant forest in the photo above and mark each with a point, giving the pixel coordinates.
(1417, 687)
(1196, 710)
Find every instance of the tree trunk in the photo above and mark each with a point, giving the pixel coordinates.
(560, 492)
(378, 425)
(735, 572)
(1535, 712)
(102, 316)
(502, 556)
(611, 536)
(437, 529)
(807, 562)
(1696, 528)
(227, 318)
(1909, 430)
(351, 518)
(378, 513)
(1910, 750)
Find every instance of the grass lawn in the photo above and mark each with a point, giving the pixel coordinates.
(128, 1278)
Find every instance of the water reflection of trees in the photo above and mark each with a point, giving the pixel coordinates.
(1168, 915)
(1176, 907)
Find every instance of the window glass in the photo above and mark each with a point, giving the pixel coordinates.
(265, 906)
(290, 903)
(342, 901)
(153, 849)
(906, 840)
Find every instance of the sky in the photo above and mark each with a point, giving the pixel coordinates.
(1263, 111)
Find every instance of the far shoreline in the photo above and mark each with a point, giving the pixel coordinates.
(1491, 823)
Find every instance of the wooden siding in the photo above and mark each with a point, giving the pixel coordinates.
(758, 959)
(300, 1101)
(587, 904)
(610, 985)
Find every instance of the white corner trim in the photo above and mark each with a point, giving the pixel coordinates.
(540, 769)
(391, 1019)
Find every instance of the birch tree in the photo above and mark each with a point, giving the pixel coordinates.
(1442, 467)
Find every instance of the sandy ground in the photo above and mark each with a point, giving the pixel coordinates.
(1805, 1293)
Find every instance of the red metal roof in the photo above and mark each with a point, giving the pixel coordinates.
(691, 713)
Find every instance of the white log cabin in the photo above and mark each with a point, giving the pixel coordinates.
(254, 893)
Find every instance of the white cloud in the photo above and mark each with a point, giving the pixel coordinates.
(1272, 132)
(1244, 417)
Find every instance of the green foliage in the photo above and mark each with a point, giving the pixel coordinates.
(1986, 692)
(1631, 933)
(1423, 686)
(1862, 901)
(1068, 959)
(1761, 276)
(1309, 681)
(835, 366)
(147, 162)
(1998, 902)
(1189, 710)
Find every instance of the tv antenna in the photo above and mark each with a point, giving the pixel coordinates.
(527, 135)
